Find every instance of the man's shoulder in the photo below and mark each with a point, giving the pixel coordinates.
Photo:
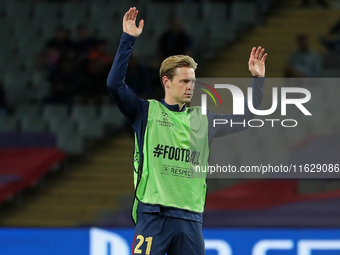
(195, 108)
(153, 102)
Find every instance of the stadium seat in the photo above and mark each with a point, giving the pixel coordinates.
(92, 128)
(244, 13)
(111, 116)
(27, 110)
(62, 126)
(41, 87)
(80, 112)
(187, 12)
(331, 184)
(16, 96)
(145, 48)
(15, 85)
(72, 143)
(8, 124)
(221, 39)
(100, 11)
(214, 12)
(57, 112)
(16, 10)
(159, 12)
(48, 28)
(29, 47)
(108, 11)
(47, 11)
(32, 124)
(74, 12)
(5, 32)
(310, 186)
(109, 30)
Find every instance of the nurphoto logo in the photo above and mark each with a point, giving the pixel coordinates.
(238, 104)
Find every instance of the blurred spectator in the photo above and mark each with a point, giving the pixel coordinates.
(61, 40)
(84, 42)
(4, 109)
(137, 77)
(48, 59)
(174, 41)
(98, 67)
(67, 71)
(303, 62)
(64, 79)
(55, 49)
(332, 40)
(307, 3)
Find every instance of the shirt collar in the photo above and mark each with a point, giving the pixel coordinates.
(174, 108)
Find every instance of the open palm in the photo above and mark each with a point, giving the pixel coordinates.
(129, 23)
(257, 62)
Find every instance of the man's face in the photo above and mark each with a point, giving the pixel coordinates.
(181, 87)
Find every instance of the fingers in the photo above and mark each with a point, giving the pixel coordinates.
(135, 14)
(261, 53)
(252, 53)
(141, 24)
(264, 57)
(131, 14)
(258, 53)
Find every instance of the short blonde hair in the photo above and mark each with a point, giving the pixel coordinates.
(169, 65)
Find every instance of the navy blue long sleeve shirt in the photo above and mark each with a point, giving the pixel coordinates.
(136, 111)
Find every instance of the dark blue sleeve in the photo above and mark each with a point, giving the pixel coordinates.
(257, 84)
(134, 108)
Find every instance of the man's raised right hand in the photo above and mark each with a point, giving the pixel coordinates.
(129, 23)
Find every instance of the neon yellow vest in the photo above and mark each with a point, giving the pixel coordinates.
(174, 144)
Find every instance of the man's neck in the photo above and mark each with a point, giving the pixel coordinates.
(173, 102)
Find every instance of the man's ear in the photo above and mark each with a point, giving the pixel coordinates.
(165, 81)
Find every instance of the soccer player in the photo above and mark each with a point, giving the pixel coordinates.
(168, 203)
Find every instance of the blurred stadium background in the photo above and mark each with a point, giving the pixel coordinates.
(66, 150)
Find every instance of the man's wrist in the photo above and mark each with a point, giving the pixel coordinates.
(126, 34)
